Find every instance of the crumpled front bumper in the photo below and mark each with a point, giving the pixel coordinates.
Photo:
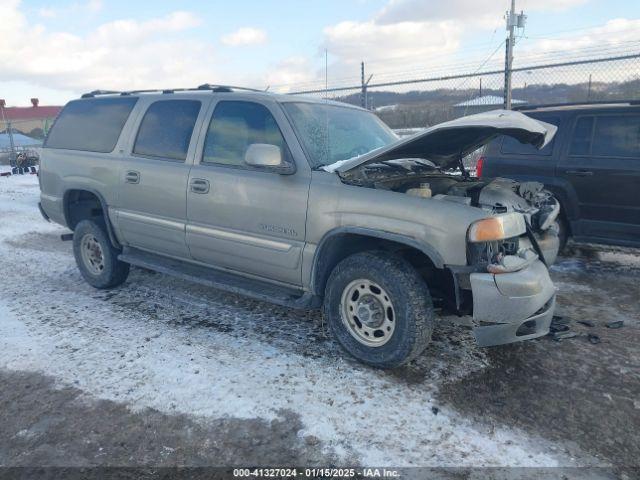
(549, 243)
(512, 307)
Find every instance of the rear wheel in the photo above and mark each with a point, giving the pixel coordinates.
(96, 257)
(379, 309)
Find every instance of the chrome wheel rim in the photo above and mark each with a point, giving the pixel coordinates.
(367, 312)
(92, 256)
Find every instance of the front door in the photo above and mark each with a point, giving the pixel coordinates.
(603, 168)
(153, 179)
(243, 218)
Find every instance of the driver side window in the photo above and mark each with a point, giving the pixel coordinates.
(233, 127)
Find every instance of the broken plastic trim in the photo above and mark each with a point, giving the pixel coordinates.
(513, 263)
(534, 243)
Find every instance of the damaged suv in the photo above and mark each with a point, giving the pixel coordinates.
(307, 204)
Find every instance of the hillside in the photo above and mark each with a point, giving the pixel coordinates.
(421, 108)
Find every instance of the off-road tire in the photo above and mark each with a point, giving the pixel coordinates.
(414, 315)
(114, 272)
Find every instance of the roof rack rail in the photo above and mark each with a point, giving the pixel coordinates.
(205, 86)
(99, 92)
(226, 88)
(572, 104)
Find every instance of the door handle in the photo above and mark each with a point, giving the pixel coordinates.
(579, 173)
(199, 185)
(132, 177)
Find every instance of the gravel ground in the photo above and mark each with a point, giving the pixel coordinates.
(162, 372)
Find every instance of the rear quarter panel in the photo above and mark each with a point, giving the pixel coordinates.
(65, 170)
(62, 170)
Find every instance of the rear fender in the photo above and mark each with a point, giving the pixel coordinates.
(105, 209)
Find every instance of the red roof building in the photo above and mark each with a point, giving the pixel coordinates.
(34, 120)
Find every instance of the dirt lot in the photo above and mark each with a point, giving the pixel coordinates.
(161, 372)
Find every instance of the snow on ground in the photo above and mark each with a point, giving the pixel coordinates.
(178, 347)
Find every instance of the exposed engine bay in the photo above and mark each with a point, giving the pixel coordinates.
(500, 195)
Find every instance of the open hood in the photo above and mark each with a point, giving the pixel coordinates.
(444, 144)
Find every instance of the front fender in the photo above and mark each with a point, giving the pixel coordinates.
(322, 262)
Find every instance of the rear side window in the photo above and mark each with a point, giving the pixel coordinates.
(236, 125)
(93, 125)
(166, 128)
(581, 140)
(617, 136)
(511, 146)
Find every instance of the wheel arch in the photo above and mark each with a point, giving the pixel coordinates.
(341, 242)
(78, 205)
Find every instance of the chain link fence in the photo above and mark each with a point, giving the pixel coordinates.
(541, 78)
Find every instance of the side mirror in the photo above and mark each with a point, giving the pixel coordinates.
(268, 156)
(263, 155)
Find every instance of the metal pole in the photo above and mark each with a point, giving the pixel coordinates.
(12, 146)
(363, 92)
(589, 91)
(326, 74)
(507, 79)
(511, 20)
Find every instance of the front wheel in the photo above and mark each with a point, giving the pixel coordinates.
(96, 257)
(379, 309)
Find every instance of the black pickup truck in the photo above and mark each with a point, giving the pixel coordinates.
(592, 166)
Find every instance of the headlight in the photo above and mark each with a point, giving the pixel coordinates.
(506, 225)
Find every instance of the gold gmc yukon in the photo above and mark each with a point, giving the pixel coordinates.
(309, 204)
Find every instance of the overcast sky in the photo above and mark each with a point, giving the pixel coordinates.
(56, 50)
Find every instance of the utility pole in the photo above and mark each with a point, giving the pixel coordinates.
(513, 20)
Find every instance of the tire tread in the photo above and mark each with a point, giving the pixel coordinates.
(418, 300)
(116, 271)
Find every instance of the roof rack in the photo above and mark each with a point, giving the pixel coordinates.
(99, 92)
(227, 88)
(205, 86)
(574, 104)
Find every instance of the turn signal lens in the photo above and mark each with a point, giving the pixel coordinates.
(502, 226)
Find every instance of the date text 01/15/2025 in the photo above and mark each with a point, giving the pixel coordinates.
(316, 472)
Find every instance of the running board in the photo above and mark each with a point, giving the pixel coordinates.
(221, 280)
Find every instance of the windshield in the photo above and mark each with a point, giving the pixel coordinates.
(330, 133)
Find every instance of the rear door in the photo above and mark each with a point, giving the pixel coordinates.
(153, 176)
(241, 218)
(602, 166)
